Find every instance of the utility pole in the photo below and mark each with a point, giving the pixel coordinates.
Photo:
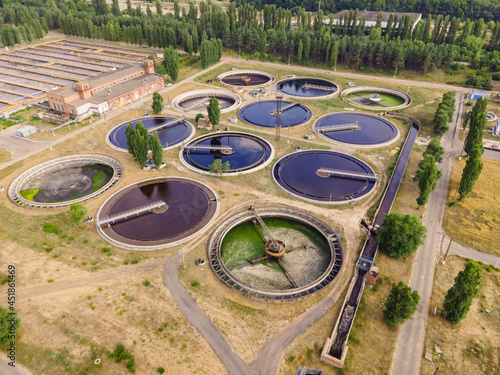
(447, 250)
(182, 255)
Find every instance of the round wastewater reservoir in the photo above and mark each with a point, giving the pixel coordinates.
(171, 130)
(244, 152)
(245, 78)
(197, 101)
(275, 253)
(157, 213)
(324, 176)
(307, 87)
(63, 181)
(356, 129)
(265, 113)
(376, 98)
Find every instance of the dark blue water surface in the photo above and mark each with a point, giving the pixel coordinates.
(296, 173)
(259, 114)
(249, 151)
(169, 136)
(373, 130)
(187, 207)
(294, 87)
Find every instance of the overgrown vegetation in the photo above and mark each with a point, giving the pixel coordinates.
(120, 354)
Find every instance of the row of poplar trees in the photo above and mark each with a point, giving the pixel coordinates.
(476, 119)
(427, 173)
(139, 142)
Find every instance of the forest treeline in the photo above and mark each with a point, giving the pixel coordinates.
(473, 9)
(438, 42)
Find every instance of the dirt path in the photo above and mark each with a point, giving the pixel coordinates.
(94, 278)
(202, 323)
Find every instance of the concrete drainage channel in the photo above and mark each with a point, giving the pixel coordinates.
(335, 348)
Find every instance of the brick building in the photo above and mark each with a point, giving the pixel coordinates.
(108, 91)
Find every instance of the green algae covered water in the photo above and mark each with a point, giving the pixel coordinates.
(305, 264)
(386, 100)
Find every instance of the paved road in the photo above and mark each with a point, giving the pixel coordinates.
(492, 155)
(410, 344)
(386, 79)
(5, 369)
(466, 252)
(202, 323)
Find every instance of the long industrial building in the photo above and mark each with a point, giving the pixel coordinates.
(106, 92)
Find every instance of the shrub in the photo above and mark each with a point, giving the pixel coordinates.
(160, 370)
(147, 283)
(51, 228)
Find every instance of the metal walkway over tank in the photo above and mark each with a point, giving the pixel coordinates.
(283, 109)
(348, 174)
(164, 125)
(206, 147)
(306, 86)
(138, 211)
(340, 127)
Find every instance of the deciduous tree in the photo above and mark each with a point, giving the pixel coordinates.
(400, 305)
(400, 234)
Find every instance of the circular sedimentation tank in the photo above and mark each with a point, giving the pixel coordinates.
(308, 255)
(324, 176)
(172, 131)
(356, 129)
(264, 113)
(308, 87)
(246, 78)
(244, 152)
(376, 98)
(197, 101)
(157, 213)
(63, 181)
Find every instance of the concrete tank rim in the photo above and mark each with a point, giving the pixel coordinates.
(320, 97)
(110, 144)
(160, 246)
(289, 293)
(221, 76)
(13, 191)
(207, 92)
(317, 201)
(229, 174)
(353, 145)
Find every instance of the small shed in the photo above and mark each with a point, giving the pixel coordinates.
(26, 131)
(475, 95)
(309, 136)
(372, 276)
(204, 123)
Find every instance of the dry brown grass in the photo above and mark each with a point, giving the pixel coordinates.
(65, 332)
(4, 155)
(481, 326)
(475, 221)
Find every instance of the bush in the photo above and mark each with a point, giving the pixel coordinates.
(147, 283)
(51, 228)
(160, 370)
(195, 284)
(106, 249)
(77, 212)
